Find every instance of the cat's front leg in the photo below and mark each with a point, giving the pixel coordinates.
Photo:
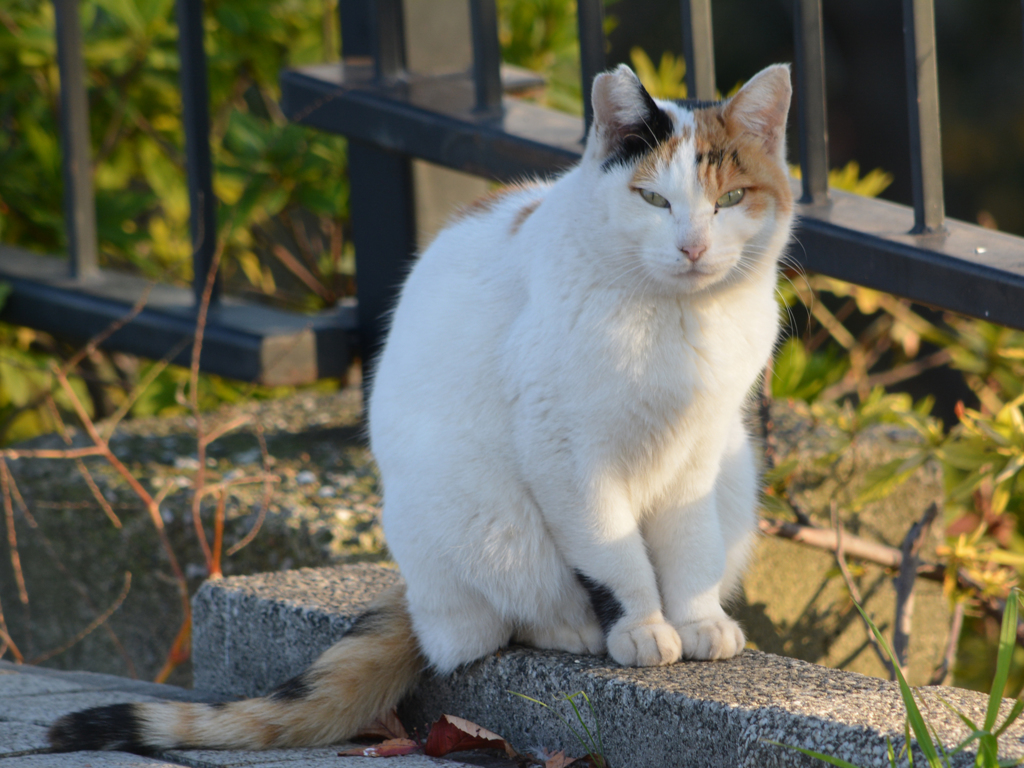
(604, 546)
(689, 554)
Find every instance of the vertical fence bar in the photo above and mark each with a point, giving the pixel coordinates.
(79, 198)
(389, 39)
(356, 29)
(699, 49)
(486, 55)
(809, 45)
(923, 115)
(199, 167)
(590, 17)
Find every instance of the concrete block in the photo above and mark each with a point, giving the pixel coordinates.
(21, 737)
(295, 615)
(692, 714)
(44, 709)
(20, 678)
(293, 758)
(14, 684)
(86, 760)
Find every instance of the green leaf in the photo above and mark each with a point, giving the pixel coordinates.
(1018, 707)
(5, 291)
(811, 753)
(1007, 642)
(917, 723)
(881, 481)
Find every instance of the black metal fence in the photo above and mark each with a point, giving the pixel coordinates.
(465, 120)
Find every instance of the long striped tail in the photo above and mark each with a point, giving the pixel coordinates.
(363, 675)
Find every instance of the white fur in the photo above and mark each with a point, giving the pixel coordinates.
(568, 398)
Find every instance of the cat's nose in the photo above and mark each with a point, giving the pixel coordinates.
(693, 252)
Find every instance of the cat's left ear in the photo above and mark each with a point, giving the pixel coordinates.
(627, 121)
(761, 106)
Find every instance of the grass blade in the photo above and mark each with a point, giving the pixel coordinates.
(1018, 707)
(561, 719)
(811, 753)
(1007, 641)
(924, 739)
(597, 723)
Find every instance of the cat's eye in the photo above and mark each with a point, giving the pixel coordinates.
(730, 198)
(654, 198)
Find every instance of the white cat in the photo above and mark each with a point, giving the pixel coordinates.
(558, 420)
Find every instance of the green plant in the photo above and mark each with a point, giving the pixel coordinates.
(987, 735)
(593, 746)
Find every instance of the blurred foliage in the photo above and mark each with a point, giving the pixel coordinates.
(542, 35)
(282, 188)
(265, 168)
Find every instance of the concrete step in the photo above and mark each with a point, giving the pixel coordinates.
(252, 633)
(31, 698)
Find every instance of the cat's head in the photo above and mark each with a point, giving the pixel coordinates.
(697, 196)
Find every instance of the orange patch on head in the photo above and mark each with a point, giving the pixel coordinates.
(522, 215)
(487, 203)
(728, 157)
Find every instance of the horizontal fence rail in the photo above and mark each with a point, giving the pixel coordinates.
(469, 121)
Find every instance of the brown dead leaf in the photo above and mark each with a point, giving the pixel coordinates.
(389, 748)
(385, 726)
(559, 760)
(455, 734)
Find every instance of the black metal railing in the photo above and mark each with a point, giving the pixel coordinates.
(466, 120)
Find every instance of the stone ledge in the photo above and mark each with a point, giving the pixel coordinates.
(252, 633)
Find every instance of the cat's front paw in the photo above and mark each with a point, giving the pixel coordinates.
(647, 644)
(709, 639)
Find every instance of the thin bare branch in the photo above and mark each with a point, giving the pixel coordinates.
(134, 484)
(109, 331)
(268, 485)
(10, 645)
(77, 585)
(218, 536)
(53, 453)
(12, 534)
(82, 469)
(855, 592)
(888, 378)
(823, 538)
(201, 441)
(228, 426)
(299, 270)
(945, 668)
(122, 410)
(223, 485)
(98, 621)
(905, 582)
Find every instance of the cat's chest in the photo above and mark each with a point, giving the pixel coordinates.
(687, 353)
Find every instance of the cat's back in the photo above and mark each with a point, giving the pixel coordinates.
(462, 295)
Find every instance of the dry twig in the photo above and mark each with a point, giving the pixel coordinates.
(905, 582)
(945, 668)
(855, 592)
(99, 620)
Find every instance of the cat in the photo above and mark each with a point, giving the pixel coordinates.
(558, 417)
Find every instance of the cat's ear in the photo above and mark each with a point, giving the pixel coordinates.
(761, 106)
(627, 121)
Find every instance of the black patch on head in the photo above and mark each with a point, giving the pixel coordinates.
(692, 104)
(367, 623)
(218, 705)
(635, 141)
(112, 727)
(714, 157)
(606, 606)
(296, 689)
